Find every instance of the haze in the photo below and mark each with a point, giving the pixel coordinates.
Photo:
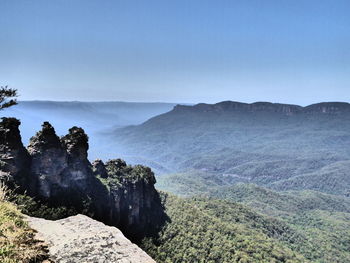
(176, 51)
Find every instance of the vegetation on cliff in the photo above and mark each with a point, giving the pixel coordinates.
(7, 97)
(17, 239)
(54, 179)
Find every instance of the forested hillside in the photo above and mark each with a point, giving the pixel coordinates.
(211, 230)
(322, 221)
(203, 230)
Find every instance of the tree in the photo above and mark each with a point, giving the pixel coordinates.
(7, 97)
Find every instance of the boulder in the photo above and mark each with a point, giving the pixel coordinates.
(82, 239)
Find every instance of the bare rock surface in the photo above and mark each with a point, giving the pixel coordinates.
(80, 239)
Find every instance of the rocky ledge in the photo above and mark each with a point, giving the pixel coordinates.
(82, 239)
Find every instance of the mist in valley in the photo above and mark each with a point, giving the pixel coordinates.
(96, 118)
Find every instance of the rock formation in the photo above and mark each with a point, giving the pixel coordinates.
(14, 158)
(82, 239)
(58, 172)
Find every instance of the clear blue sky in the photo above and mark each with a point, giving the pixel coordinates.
(178, 51)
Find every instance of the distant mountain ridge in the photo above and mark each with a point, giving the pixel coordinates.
(324, 107)
(282, 146)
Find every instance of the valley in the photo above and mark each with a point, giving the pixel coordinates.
(237, 182)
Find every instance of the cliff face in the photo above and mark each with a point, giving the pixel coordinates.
(57, 171)
(14, 158)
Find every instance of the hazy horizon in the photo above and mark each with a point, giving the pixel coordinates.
(182, 51)
(172, 102)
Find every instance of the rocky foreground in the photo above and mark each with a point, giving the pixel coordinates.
(79, 239)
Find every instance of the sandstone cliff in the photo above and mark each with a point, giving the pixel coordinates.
(14, 159)
(57, 171)
(82, 239)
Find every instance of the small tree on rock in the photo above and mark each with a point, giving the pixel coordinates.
(7, 97)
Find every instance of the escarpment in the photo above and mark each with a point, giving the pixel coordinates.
(57, 171)
(267, 107)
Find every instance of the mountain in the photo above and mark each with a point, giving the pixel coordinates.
(56, 173)
(211, 149)
(52, 178)
(280, 146)
(94, 117)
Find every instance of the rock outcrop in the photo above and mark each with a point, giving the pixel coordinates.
(57, 171)
(49, 162)
(14, 158)
(82, 239)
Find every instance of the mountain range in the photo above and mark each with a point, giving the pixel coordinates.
(283, 147)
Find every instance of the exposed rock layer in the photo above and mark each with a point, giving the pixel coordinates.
(286, 109)
(82, 239)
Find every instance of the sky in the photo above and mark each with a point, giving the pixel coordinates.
(189, 51)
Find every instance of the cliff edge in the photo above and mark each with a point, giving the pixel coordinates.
(82, 239)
